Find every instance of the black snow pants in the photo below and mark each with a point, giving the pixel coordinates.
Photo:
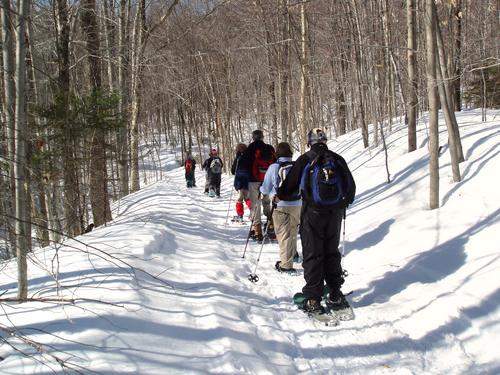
(215, 180)
(320, 236)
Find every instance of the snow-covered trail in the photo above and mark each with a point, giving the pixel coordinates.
(425, 283)
(236, 326)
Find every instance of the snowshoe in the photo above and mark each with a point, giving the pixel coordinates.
(288, 271)
(338, 305)
(238, 219)
(314, 310)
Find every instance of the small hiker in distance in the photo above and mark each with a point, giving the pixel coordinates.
(189, 169)
(213, 165)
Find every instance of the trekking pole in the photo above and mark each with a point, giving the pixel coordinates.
(344, 272)
(343, 234)
(229, 205)
(231, 195)
(248, 237)
(253, 276)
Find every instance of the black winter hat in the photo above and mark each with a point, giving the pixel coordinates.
(257, 135)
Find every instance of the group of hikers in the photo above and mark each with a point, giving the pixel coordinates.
(309, 195)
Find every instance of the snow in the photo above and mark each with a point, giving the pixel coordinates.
(163, 289)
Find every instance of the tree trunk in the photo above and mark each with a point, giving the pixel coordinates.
(457, 80)
(38, 198)
(22, 214)
(71, 201)
(359, 73)
(447, 101)
(9, 109)
(110, 42)
(98, 169)
(140, 38)
(304, 123)
(431, 57)
(284, 68)
(123, 69)
(271, 62)
(412, 107)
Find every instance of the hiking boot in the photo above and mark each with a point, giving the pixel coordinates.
(336, 301)
(257, 235)
(259, 238)
(313, 306)
(237, 219)
(289, 271)
(296, 258)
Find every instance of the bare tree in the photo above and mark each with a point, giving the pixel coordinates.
(140, 39)
(22, 214)
(98, 171)
(304, 123)
(432, 93)
(123, 69)
(412, 75)
(8, 109)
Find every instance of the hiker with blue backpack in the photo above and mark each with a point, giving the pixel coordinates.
(327, 188)
(286, 213)
(213, 166)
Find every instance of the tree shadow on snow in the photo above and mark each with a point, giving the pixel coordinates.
(370, 238)
(427, 267)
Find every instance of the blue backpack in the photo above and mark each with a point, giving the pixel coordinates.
(325, 181)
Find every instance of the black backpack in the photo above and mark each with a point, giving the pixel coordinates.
(284, 168)
(326, 181)
(216, 166)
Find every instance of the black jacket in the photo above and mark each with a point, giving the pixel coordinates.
(291, 184)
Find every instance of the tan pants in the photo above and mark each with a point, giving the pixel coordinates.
(253, 194)
(242, 195)
(286, 221)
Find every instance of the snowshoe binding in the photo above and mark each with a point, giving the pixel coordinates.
(314, 310)
(337, 305)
